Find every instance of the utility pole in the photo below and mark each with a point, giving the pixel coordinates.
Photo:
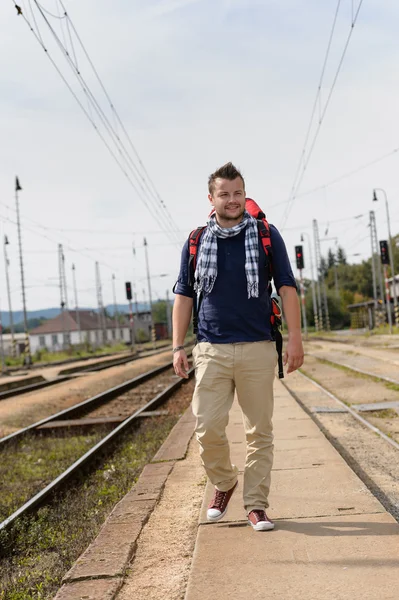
(391, 262)
(115, 309)
(300, 266)
(63, 297)
(75, 291)
(318, 270)
(314, 300)
(377, 276)
(101, 316)
(7, 264)
(153, 337)
(384, 247)
(27, 353)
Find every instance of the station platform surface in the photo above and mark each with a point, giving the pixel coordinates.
(333, 540)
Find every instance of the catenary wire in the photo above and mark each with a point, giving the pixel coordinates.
(103, 118)
(310, 152)
(139, 178)
(39, 39)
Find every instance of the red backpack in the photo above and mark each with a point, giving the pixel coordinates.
(264, 234)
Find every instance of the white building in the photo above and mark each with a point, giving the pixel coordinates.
(19, 339)
(62, 331)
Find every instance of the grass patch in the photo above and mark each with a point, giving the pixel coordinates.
(32, 463)
(38, 551)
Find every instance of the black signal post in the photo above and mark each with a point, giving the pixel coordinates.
(385, 262)
(300, 264)
(129, 296)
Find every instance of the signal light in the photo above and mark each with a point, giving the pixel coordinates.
(299, 257)
(384, 252)
(128, 290)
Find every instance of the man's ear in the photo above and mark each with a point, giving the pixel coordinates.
(211, 199)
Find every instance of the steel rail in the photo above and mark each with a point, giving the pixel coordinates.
(349, 410)
(355, 369)
(67, 374)
(89, 403)
(24, 389)
(90, 454)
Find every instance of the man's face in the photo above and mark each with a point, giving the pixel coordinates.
(228, 199)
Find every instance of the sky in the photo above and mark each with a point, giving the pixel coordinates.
(196, 83)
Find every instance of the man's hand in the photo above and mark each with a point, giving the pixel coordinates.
(293, 356)
(180, 363)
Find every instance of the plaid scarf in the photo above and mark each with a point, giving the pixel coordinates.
(207, 265)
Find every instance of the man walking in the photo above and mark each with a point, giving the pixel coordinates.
(235, 351)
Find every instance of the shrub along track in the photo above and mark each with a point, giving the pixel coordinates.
(38, 550)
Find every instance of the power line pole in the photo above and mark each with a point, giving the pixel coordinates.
(149, 291)
(391, 257)
(376, 266)
(27, 353)
(7, 264)
(314, 299)
(63, 297)
(318, 269)
(101, 315)
(115, 309)
(75, 291)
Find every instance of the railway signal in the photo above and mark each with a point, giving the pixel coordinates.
(299, 257)
(128, 286)
(385, 261)
(384, 252)
(300, 265)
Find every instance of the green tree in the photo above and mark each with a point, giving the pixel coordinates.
(341, 256)
(330, 259)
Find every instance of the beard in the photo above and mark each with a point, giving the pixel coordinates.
(227, 216)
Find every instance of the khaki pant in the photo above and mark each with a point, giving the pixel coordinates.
(248, 369)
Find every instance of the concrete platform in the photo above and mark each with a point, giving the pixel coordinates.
(333, 539)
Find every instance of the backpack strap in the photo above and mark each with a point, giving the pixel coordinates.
(193, 243)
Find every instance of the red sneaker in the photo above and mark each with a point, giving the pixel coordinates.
(260, 521)
(218, 506)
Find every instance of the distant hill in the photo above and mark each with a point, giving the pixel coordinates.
(36, 317)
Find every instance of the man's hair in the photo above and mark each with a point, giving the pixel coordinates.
(228, 171)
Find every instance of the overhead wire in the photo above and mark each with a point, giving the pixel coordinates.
(321, 119)
(139, 178)
(115, 111)
(108, 126)
(317, 97)
(171, 230)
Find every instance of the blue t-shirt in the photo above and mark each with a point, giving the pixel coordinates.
(227, 315)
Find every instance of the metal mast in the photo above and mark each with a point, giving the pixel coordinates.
(375, 249)
(28, 356)
(149, 291)
(318, 269)
(115, 309)
(75, 290)
(7, 264)
(63, 296)
(101, 315)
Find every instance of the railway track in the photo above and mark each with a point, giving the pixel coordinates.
(376, 374)
(69, 373)
(170, 384)
(362, 439)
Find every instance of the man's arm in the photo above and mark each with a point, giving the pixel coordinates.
(182, 310)
(294, 352)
